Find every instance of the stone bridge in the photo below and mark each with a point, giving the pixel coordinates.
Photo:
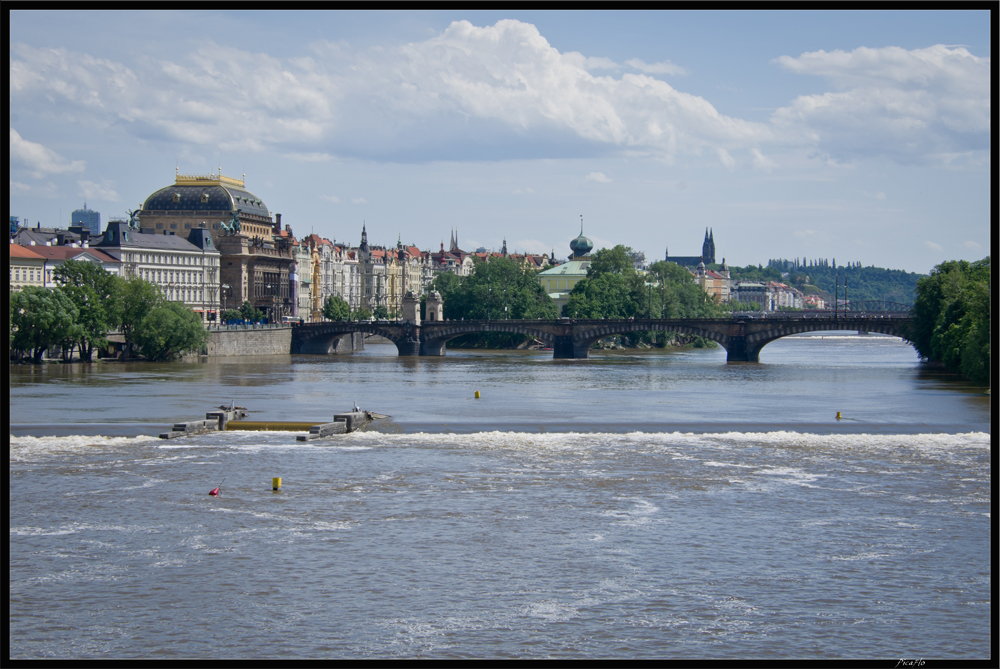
(742, 337)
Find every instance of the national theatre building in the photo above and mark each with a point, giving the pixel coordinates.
(257, 263)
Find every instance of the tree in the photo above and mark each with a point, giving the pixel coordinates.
(136, 298)
(336, 309)
(231, 315)
(41, 317)
(250, 313)
(362, 315)
(381, 313)
(618, 260)
(952, 318)
(94, 291)
(169, 330)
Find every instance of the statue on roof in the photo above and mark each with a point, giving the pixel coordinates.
(133, 217)
(234, 223)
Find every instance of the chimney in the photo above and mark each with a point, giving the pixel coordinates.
(277, 218)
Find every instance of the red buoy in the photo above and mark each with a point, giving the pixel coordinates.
(214, 491)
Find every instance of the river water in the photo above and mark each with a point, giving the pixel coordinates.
(636, 504)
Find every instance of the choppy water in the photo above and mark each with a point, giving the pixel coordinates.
(658, 505)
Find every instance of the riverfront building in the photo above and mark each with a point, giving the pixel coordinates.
(256, 262)
(185, 270)
(27, 268)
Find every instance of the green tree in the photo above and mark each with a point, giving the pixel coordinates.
(618, 260)
(231, 315)
(362, 315)
(381, 313)
(136, 298)
(250, 313)
(336, 309)
(168, 331)
(94, 291)
(41, 317)
(952, 318)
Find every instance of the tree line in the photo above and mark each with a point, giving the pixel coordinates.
(503, 288)
(87, 305)
(952, 318)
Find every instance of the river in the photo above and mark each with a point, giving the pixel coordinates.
(636, 504)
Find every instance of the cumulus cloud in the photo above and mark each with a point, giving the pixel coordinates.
(18, 186)
(656, 68)
(104, 191)
(909, 105)
(972, 245)
(933, 246)
(359, 200)
(877, 196)
(330, 198)
(502, 91)
(38, 159)
(467, 92)
(599, 177)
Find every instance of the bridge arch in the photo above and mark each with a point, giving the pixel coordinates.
(582, 341)
(755, 341)
(434, 341)
(323, 338)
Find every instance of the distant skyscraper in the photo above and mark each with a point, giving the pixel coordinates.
(88, 218)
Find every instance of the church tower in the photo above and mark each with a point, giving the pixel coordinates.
(708, 248)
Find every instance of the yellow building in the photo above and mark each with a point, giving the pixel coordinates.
(27, 268)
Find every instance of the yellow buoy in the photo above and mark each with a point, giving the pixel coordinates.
(477, 394)
(276, 483)
(838, 415)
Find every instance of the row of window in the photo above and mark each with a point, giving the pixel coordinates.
(30, 275)
(167, 259)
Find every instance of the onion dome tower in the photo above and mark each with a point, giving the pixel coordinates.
(581, 246)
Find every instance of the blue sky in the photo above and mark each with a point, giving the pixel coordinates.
(860, 136)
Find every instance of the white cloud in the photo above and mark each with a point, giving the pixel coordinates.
(656, 68)
(762, 162)
(104, 191)
(877, 196)
(910, 105)
(519, 191)
(359, 200)
(727, 160)
(456, 92)
(39, 160)
(933, 246)
(599, 177)
(330, 198)
(972, 245)
(18, 186)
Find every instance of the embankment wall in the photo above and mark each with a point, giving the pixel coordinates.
(271, 341)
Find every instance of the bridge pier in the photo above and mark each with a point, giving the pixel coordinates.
(738, 351)
(408, 347)
(563, 347)
(432, 348)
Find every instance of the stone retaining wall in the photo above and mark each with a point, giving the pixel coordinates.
(272, 341)
(276, 341)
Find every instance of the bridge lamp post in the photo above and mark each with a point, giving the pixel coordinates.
(225, 287)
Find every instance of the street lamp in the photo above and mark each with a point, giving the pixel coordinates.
(225, 287)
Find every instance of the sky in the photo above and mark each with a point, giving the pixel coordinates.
(855, 136)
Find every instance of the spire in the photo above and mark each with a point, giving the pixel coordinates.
(504, 250)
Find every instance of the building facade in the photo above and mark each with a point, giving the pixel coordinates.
(257, 262)
(185, 270)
